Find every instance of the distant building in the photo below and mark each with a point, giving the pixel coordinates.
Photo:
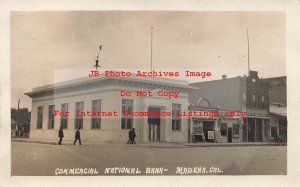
(278, 105)
(244, 94)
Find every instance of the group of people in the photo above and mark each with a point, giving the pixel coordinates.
(131, 136)
(61, 135)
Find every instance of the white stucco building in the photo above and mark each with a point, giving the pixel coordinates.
(92, 94)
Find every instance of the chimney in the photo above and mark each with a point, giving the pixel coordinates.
(224, 77)
(253, 73)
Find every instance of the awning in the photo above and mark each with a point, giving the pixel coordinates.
(281, 111)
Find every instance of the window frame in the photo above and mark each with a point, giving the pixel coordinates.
(126, 119)
(64, 119)
(276, 132)
(96, 118)
(79, 119)
(51, 121)
(39, 120)
(226, 134)
(234, 127)
(176, 120)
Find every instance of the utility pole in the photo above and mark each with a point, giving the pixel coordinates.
(248, 53)
(151, 46)
(17, 120)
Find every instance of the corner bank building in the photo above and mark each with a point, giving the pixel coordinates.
(102, 94)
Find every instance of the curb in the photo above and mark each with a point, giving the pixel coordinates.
(160, 145)
(233, 145)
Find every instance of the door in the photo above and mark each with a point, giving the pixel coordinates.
(154, 125)
(208, 126)
(229, 134)
(251, 130)
(259, 133)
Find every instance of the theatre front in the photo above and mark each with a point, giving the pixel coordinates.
(97, 106)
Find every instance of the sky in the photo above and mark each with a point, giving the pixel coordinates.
(49, 47)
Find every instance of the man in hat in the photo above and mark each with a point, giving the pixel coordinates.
(77, 137)
(60, 135)
(132, 136)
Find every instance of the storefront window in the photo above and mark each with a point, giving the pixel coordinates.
(223, 129)
(273, 132)
(236, 130)
(283, 127)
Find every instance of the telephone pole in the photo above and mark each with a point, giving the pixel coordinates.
(248, 53)
(151, 46)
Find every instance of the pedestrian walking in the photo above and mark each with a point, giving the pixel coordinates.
(129, 134)
(132, 136)
(77, 137)
(60, 135)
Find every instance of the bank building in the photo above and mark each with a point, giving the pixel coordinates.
(103, 94)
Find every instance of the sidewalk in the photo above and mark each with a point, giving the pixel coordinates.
(154, 144)
(242, 144)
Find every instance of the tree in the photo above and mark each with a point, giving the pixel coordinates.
(21, 116)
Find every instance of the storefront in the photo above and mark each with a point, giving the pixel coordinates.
(219, 128)
(256, 129)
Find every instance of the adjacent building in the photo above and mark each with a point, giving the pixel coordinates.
(278, 105)
(247, 94)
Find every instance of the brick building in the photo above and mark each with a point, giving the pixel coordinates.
(245, 94)
(278, 105)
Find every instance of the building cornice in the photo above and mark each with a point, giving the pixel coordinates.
(92, 83)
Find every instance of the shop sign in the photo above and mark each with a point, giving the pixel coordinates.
(210, 135)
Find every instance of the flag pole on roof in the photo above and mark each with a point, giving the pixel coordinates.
(97, 60)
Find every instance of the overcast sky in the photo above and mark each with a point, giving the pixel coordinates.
(48, 47)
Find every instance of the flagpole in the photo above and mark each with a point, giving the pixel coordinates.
(151, 46)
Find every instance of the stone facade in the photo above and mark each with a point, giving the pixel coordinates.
(107, 89)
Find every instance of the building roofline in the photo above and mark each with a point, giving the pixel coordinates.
(133, 78)
(284, 76)
(218, 80)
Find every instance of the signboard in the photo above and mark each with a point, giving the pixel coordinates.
(210, 135)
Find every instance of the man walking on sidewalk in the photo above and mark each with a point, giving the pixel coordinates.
(132, 136)
(60, 135)
(77, 137)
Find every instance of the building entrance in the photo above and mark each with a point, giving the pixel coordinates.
(229, 137)
(154, 125)
(251, 130)
(259, 133)
(208, 126)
